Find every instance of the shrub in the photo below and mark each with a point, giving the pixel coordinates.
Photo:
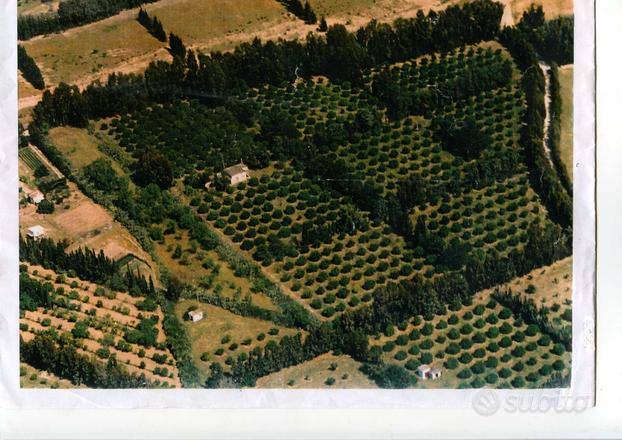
(426, 358)
(426, 344)
(451, 364)
(505, 342)
(400, 355)
(544, 340)
(464, 374)
(492, 378)
(558, 365)
(545, 370)
(477, 367)
(465, 358)
(412, 364)
(518, 382)
(388, 346)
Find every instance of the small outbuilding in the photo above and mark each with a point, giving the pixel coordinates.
(423, 370)
(36, 232)
(36, 197)
(237, 173)
(434, 373)
(195, 315)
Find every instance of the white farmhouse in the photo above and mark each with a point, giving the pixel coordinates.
(36, 197)
(195, 315)
(434, 373)
(36, 232)
(237, 173)
(423, 370)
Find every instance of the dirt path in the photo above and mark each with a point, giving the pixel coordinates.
(508, 18)
(547, 109)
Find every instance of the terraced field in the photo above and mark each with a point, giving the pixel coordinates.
(105, 324)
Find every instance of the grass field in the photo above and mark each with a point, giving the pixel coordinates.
(36, 6)
(206, 269)
(315, 373)
(88, 52)
(222, 330)
(565, 80)
(552, 8)
(24, 88)
(79, 146)
(218, 20)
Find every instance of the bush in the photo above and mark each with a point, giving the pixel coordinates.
(558, 365)
(412, 364)
(465, 358)
(464, 374)
(388, 346)
(477, 367)
(492, 378)
(426, 358)
(518, 382)
(400, 355)
(451, 364)
(504, 373)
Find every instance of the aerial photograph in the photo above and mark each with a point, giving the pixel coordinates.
(295, 194)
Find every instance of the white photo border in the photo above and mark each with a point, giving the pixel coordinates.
(583, 354)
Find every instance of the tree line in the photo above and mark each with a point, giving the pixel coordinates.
(152, 24)
(340, 55)
(86, 263)
(71, 13)
(553, 39)
(29, 68)
(555, 127)
(33, 293)
(305, 13)
(543, 176)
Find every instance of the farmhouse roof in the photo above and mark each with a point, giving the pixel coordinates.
(423, 368)
(36, 196)
(36, 230)
(194, 313)
(235, 169)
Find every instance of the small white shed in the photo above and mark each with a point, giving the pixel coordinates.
(434, 373)
(423, 370)
(36, 232)
(195, 315)
(36, 197)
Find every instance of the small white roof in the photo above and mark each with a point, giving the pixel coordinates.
(195, 313)
(36, 230)
(423, 367)
(235, 169)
